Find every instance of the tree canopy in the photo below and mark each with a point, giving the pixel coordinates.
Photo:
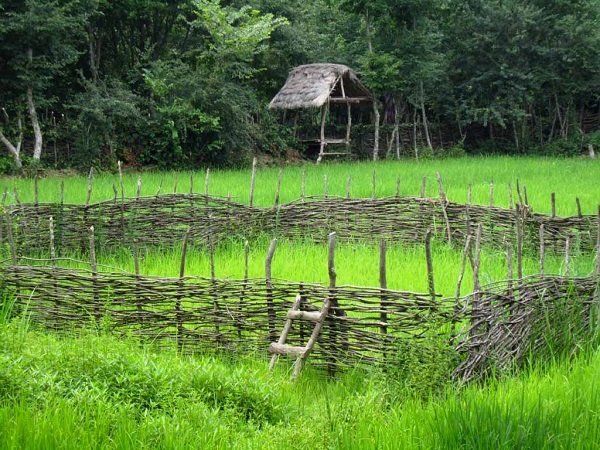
(186, 83)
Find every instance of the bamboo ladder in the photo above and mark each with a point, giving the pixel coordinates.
(318, 317)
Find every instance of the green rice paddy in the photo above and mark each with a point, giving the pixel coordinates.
(93, 390)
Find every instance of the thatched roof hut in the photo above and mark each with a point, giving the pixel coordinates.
(319, 86)
(312, 85)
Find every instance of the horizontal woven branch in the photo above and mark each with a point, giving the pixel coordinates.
(163, 221)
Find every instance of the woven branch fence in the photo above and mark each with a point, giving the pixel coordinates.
(163, 220)
(493, 328)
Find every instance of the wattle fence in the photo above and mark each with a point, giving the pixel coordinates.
(494, 327)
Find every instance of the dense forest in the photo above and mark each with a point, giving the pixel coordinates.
(186, 83)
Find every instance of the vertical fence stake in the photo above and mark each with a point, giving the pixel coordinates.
(55, 281)
(207, 181)
(519, 192)
(444, 204)
(213, 284)
(269, 281)
(303, 186)
(90, 184)
(94, 268)
(525, 195)
(491, 194)
(567, 256)
(175, 181)
(460, 279)
(398, 187)
(252, 182)
(159, 186)
(476, 308)
(178, 310)
(278, 187)
(430, 276)
(383, 286)
(542, 251)
(510, 197)
(333, 335)
(470, 194)
(553, 203)
(136, 263)
(241, 316)
(578, 207)
(509, 267)
(326, 186)
(35, 189)
(348, 186)
(519, 220)
(138, 187)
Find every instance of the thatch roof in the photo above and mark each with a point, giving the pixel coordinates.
(311, 85)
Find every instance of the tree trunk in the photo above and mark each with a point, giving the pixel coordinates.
(15, 151)
(415, 134)
(37, 148)
(425, 126)
(376, 137)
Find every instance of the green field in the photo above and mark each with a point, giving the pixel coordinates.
(93, 390)
(568, 178)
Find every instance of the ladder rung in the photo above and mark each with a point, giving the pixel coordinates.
(313, 316)
(282, 349)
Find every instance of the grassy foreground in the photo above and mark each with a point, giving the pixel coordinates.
(95, 391)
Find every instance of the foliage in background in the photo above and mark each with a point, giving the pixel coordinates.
(186, 83)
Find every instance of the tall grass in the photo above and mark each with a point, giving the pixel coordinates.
(541, 176)
(94, 391)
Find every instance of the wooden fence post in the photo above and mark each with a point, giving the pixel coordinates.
(252, 182)
(136, 263)
(374, 185)
(430, 275)
(303, 185)
(178, 309)
(383, 286)
(459, 283)
(278, 187)
(206, 182)
(269, 281)
(326, 186)
(94, 267)
(542, 251)
(553, 204)
(444, 204)
(241, 317)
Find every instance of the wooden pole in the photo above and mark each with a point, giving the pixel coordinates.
(138, 188)
(519, 220)
(326, 186)
(175, 180)
(241, 316)
(35, 189)
(509, 266)
(519, 192)
(383, 285)
(252, 181)
(567, 256)
(491, 194)
(136, 263)
(470, 194)
(270, 304)
(553, 203)
(303, 189)
(430, 276)
(322, 139)
(510, 197)
(178, 309)
(542, 251)
(444, 203)
(278, 187)
(90, 184)
(398, 187)
(94, 267)
(460, 280)
(348, 186)
(207, 181)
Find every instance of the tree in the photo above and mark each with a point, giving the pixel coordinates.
(40, 40)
